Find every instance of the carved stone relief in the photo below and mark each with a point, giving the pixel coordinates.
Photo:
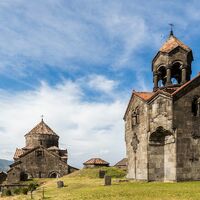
(135, 142)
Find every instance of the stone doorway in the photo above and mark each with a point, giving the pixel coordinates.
(54, 175)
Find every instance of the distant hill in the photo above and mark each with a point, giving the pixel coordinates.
(4, 164)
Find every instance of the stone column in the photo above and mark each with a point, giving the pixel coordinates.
(155, 80)
(168, 82)
(183, 75)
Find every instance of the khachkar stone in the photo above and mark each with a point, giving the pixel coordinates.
(107, 180)
(163, 125)
(134, 142)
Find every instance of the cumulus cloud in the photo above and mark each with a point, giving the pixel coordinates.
(57, 33)
(87, 35)
(101, 83)
(86, 129)
(58, 41)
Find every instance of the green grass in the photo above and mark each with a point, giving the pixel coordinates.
(94, 173)
(84, 185)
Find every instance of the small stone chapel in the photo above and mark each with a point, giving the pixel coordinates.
(162, 126)
(40, 158)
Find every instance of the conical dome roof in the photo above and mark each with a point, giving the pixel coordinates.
(42, 129)
(171, 43)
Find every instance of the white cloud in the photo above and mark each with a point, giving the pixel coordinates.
(87, 129)
(58, 32)
(101, 83)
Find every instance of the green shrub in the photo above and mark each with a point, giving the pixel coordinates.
(32, 186)
(94, 172)
(8, 192)
(17, 191)
(24, 191)
(114, 172)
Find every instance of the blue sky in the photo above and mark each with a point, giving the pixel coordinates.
(77, 62)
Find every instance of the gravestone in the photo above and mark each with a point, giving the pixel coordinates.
(107, 180)
(101, 173)
(60, 184)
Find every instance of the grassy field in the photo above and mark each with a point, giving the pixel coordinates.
(84, 185)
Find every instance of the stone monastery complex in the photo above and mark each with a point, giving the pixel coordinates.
(162, 127)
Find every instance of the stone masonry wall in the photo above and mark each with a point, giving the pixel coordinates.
(188, 137)
(137, 162)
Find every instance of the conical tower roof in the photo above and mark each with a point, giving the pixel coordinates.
(171, 43)
(41, 129)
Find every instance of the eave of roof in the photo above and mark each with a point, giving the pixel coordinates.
(144, 96)
(96, 161)
(187, 84)
(122, 162)
(157, 93)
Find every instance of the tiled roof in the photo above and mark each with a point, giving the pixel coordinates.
(96, 161)
(18, 153)
(122, 162)
(42, 128)
(144, 95)
(171, 92)
(171, 43)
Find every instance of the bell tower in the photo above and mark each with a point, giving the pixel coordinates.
(172, 64)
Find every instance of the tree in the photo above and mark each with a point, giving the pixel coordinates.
(32, 187)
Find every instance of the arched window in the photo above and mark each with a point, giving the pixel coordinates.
(135, 116)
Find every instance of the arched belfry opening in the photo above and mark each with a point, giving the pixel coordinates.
(172, 64)
(176, 73)
(162, 76)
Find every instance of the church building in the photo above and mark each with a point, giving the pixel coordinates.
(40, 158)
(162, 127)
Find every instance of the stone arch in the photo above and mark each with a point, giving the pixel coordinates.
(54, 174)
(157, 151)
(162, 73)
(158, 136)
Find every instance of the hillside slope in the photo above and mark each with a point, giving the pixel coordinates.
(4, 164)
(82, 185)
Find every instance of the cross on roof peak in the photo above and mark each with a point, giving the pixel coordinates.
(171, 29)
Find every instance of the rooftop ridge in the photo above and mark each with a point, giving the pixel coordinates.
(171, 43)
(41, 128)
